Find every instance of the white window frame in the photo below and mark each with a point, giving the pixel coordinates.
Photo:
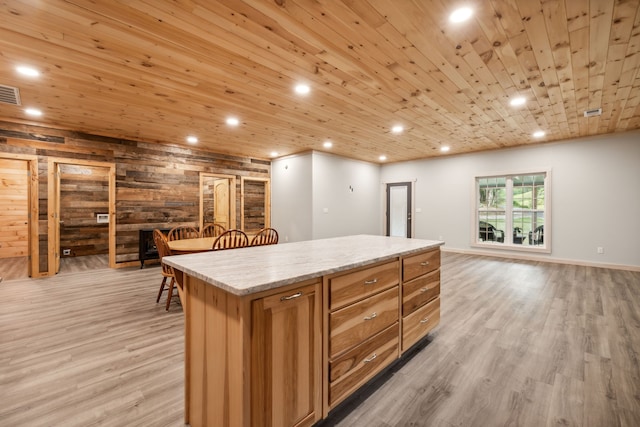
(508, 236)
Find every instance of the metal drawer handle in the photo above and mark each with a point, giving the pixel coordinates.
(424, 264)
(424, 289)
(290, 297)
(425, 320)
(370, 359)
(373, 316)
(370, 282)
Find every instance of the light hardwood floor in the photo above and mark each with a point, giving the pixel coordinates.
(519, 344)
(17, 268)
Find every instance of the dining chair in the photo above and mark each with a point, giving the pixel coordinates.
(231, 239)
(266, 236)
(167, 271)
(212, 230)
(183, 232)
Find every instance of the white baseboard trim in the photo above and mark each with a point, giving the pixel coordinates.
(526, 257)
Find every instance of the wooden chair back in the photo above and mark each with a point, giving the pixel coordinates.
(266, 236)
(231, 239)
(212, 230)
(183, 232)
(162, 246)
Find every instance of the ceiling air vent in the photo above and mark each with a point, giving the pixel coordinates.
(593, 112)
(9, 95)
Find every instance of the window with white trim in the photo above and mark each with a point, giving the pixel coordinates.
(512, 211)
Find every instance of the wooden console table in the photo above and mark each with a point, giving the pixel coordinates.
(279, 335)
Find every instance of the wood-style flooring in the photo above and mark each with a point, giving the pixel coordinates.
(519, 344)
(17, 268)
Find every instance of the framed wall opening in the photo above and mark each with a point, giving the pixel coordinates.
(81, 200)
(19, 247)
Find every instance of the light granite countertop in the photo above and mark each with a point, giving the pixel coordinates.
(254, 269)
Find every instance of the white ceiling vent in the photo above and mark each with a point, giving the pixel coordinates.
(593, 112)
(9, 95)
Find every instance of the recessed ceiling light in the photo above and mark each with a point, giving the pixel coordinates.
(444, 148)
(397, 129)
(382, 158)
(33, 112)
(302, 89)
(516, 102)
(461, 15)
(274, 154)
(327, 144)
(538, 134)
(27, 71)
(232, 121)
(192, 139)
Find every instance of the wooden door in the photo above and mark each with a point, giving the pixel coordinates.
(217, 200)
(221, 202)
(286, 359)
(14, 208)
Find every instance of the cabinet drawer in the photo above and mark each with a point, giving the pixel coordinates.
(418, 291)
(349, 371)
(351, 287)
(417, 265)
(419, 323)
(353, 324)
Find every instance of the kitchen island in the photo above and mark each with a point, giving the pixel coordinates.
(279, 335)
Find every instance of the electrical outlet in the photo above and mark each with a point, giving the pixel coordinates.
(66, 252)
(600, 250)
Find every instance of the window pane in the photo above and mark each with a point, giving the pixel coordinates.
(493, 193)
(526, 213)
(521, 226)
(491, 227)
(539, 200)
(536, 236)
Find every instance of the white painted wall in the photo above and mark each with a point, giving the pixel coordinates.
(346, 197)
(303, 186)
(595, 195)
(291, 197)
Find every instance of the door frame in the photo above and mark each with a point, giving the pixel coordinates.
(53, 206)
(409, 186)
(232, 196)
(32, 205)
(267, 200)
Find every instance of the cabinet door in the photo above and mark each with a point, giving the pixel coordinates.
(286, 358)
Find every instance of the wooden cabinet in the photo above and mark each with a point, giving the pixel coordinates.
(285, 358)
(420, 296)
(363, 323)
(254, 360)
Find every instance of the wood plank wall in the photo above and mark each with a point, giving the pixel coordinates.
(14, 211)
(84, 193)
(254, 205)
(157, 185)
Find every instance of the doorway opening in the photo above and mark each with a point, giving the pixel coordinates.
(19, 247)
(217, 200)
(81, 215)
(399, 209)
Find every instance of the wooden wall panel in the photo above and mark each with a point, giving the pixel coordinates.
(254, 205)
(84, 192)
(157, 185)
(14, 208)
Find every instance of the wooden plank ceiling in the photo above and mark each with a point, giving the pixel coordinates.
(158, 71)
